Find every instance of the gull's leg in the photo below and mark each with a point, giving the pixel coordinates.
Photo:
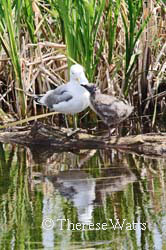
(66, 121)
(76, 129)
(75, 122)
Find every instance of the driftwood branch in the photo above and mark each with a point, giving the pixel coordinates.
(41, 135)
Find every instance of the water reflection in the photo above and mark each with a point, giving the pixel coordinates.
(44, 194)
(79, 188)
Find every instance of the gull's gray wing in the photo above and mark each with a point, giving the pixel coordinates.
(56, 96)
(53, 98)
(59, 90)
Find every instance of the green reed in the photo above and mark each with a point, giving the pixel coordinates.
(113, 15)
(9, 35)
(28, 18)
(132, 16)
(81, 21)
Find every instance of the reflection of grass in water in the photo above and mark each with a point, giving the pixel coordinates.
(16, 210)
(21, 210)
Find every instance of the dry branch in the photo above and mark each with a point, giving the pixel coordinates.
(55, 138)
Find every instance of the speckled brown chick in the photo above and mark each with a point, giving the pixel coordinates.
(110, 109)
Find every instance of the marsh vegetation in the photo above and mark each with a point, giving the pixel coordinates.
(121, 45)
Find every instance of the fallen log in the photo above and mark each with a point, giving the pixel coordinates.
(42, 135)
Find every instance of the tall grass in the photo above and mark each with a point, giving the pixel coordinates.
(113, 10)
(9, 35)
(80, 22)
(41, 39)
(28, 18)
(131, 16)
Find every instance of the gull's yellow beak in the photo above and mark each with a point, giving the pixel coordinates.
(78, 79)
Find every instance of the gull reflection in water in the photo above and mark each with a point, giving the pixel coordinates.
(78, 187)
(83, 191)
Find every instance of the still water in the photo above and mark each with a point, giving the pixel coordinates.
(91, 199)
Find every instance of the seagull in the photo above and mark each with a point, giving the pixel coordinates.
(109, 108)
(70, 98)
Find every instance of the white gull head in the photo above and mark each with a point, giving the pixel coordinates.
(77, 74)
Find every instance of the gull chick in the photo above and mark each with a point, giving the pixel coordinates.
(110, 109)
(69, 98)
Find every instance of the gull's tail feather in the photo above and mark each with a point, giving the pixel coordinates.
(37, 99)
